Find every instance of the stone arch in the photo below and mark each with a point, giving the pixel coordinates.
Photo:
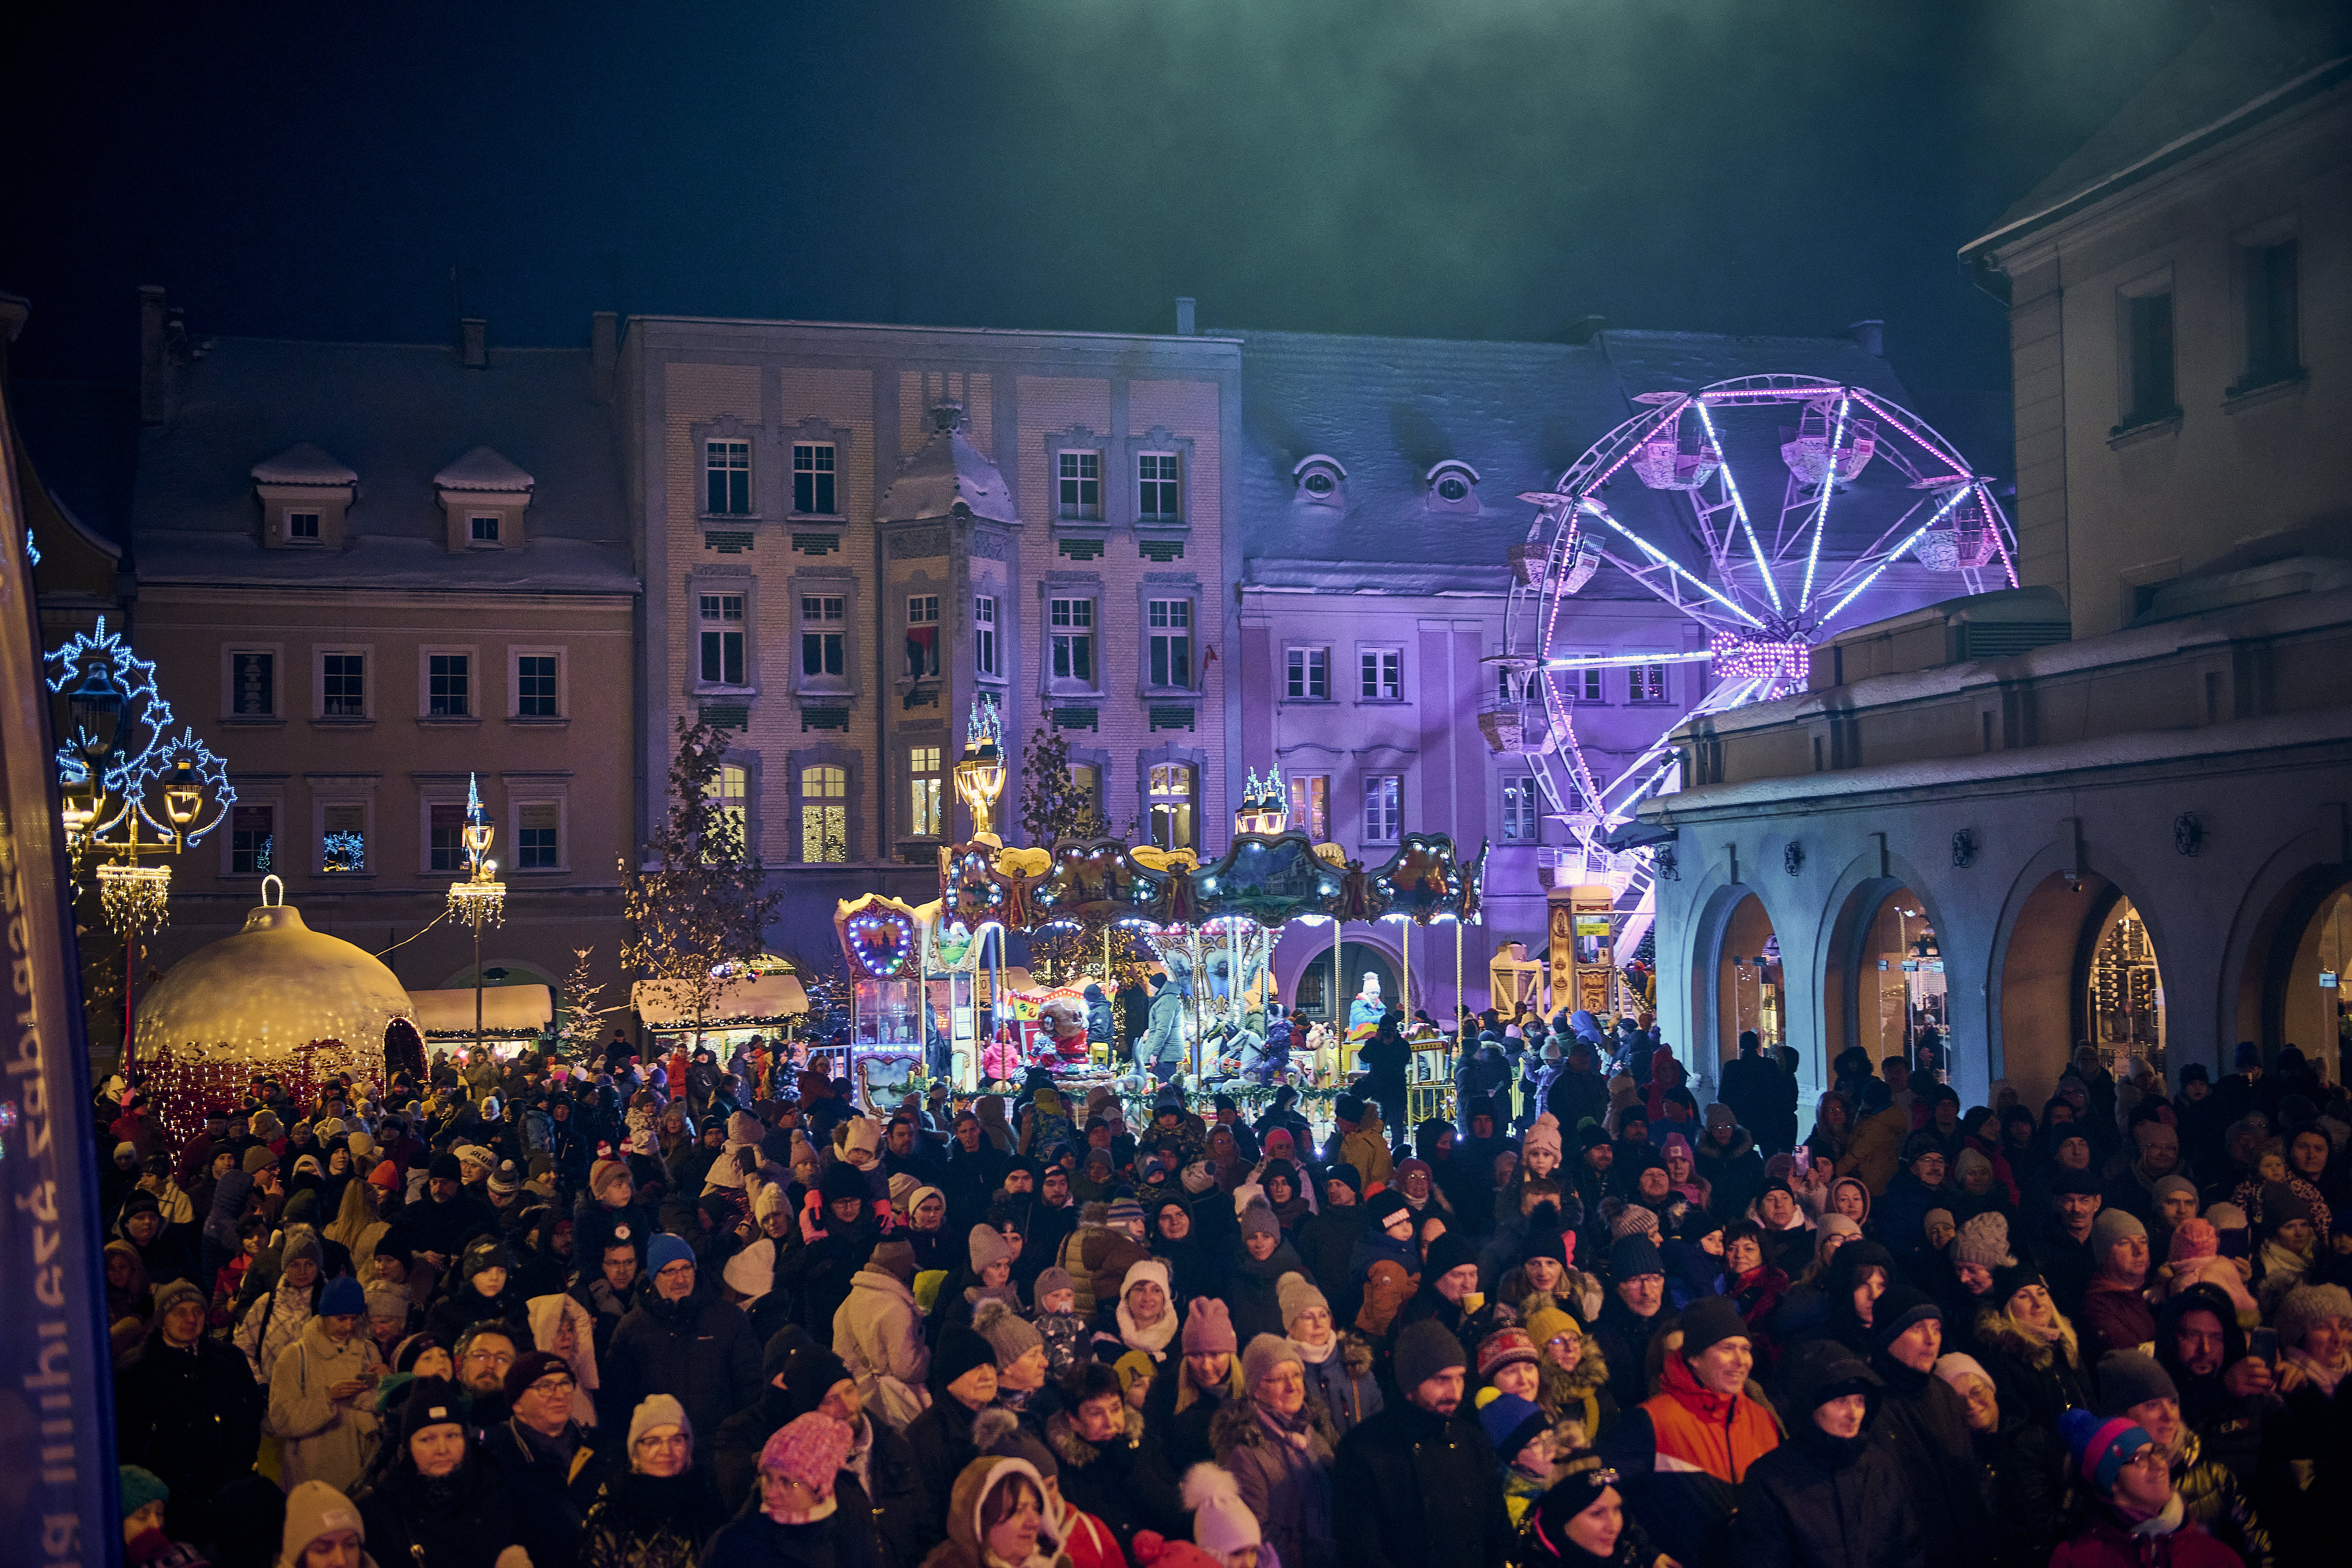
(2271, 951)
(1358, 951)
(1850, 916)
(2040, 952)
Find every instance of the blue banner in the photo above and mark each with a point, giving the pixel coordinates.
(56, 1408)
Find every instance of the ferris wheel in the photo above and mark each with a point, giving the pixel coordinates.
(1862, 484)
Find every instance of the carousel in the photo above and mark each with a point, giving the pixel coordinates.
(934, 993)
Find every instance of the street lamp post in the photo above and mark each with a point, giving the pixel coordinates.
(120, 767)
(480, 899)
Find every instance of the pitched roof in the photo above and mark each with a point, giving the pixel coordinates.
(947, 477)
(1391, 410)
(483, 470)
(304, 464)
(2239, 69)
(405, 418)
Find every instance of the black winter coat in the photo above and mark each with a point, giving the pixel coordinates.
(700, 1351)
(1413, 1490)
(194, 1417)
(1119, 1482)
(552, 1506)
(940, 1442)
(639, 1520)
(1819, 1501)
(841, 1540)
(464, 1520)
(1925, 1425)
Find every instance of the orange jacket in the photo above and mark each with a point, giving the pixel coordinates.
(1699, 1430)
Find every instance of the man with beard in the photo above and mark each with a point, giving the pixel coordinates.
(1416, 1485)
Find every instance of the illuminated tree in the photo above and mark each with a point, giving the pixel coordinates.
(697, 897)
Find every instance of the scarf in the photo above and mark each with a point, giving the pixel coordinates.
(1317, 1354)
(2325, 1376)
(1294, 1430)
(2163, 1523)
(823, 1510)
(1153, 1340)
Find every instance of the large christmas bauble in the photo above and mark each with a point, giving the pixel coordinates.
(276, 998)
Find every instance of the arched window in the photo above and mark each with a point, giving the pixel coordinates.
(1170, 803)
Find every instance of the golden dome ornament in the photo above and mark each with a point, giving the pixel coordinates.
(276, 998)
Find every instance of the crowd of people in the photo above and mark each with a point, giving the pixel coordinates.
(659, 1313)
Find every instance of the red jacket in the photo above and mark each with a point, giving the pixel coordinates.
(2104, 1544)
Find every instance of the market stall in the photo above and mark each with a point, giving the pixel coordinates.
(513, 1016)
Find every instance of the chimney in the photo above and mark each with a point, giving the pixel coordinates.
(1184, 315)
(604, 353)
(474, 342)
(1870, 335)
(154, 356)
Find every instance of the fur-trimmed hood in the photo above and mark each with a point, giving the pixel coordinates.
(1062, 1437)
(1235, 1425)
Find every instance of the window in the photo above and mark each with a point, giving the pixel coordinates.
(1170, 623)
(252, 838)
(983, 635)
(342, 844)
(923, 819)
(1645, 683)
(535, 686)
(1309, 674)
(1086, 781)
(1582, 686)
(2149, 323)
(1073, 622)
(2272, 353)
(449, 680)
(1171, 805)
(1310, 805)
(342, 690)
(537, 829)
(823, 636)
(302, 525)
(445, 836)
(1520, 813)
(722, 623)
(1156, 488)
(824, 814)
(813, 478)
(731, 786)
(1383, 675)
(253, 685)
(923, 634)
(727, 477)
(483, 528)
(1081, 484)
(1383, 807)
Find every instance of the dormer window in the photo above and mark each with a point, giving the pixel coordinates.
(302, 525)
(1453, 487)
(1319, 480)
(304, 494)
(483, 528)
(484, 496)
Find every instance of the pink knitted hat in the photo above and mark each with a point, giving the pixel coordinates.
(1209, 1328)
(809, 1449)
(2196, 1238)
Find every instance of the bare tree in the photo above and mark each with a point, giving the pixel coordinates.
(1054, 806)
(697, 897)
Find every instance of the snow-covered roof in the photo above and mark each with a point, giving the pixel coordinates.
(2235, 73)
(1393, 411)
(304, 464)
(395, 413)
(483, 469)
(947, 477)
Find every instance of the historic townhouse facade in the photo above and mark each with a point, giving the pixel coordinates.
(368, 574)
(853, 533)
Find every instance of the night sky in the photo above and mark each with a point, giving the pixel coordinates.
(1470, 168)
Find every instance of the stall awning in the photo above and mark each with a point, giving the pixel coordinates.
(504, 1009)
(749, 996)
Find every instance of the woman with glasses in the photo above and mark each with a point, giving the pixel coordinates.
(662, 1510)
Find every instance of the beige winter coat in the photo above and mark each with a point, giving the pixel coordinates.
(878, 1332)
(324, 1439)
